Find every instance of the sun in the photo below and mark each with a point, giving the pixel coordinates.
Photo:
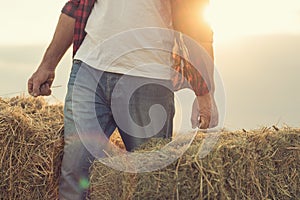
(234, 18)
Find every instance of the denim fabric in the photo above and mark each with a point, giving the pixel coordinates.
(77, 159)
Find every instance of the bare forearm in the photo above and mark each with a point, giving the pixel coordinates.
(60, 43)
(39, 84)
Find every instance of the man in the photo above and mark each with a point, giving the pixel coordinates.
(88, 23)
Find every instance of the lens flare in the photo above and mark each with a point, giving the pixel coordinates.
(84, 183)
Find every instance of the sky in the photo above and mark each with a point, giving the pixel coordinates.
(236, 18)
(256, 46)
(29, 22)
(33, 22)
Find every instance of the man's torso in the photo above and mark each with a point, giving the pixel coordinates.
(119, 17)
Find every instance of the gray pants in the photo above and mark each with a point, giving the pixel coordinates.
(77, 159)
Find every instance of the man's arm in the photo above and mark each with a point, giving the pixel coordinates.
(187, 19)
(41, 81)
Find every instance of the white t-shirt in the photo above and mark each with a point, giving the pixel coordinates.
(119, 38)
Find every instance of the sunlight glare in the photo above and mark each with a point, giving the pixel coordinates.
(235, 18)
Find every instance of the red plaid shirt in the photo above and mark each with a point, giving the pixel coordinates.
(81, 9)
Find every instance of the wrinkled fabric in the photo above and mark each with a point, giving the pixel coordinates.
(197, 29)
(77, 159)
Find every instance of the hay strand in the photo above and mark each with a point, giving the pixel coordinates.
(30, 148)
(246, 164)
(258, 164)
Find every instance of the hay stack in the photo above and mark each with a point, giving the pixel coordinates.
(31, 146)
(262, 164)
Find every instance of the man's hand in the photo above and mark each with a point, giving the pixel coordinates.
(40, 82)
(205, 112)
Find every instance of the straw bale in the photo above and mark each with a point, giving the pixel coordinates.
(31, 146)
(258, 164)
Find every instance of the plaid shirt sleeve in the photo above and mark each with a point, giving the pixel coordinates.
(70, 8)
(80, 10)
(188, 21)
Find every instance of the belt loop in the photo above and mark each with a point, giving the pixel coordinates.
(75, 61)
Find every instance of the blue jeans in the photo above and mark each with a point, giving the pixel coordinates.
(77, 159)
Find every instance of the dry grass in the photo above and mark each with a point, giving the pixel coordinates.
(31, 146)
(261, 164)
(258, 164)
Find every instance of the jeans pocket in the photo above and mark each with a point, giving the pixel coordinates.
(75, 68)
